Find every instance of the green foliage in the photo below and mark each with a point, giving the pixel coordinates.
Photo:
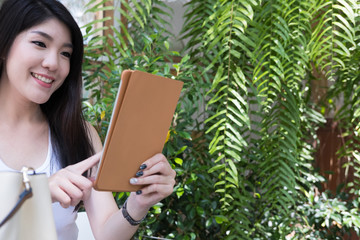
(242, 139)
(262, 116)
(139, 44)
(346, 87)
(107, 55)
(327, 217)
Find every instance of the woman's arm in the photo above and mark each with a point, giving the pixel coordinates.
(106, 220)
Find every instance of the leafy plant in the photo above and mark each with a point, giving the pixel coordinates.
(262, 113)
(141, 44)
(327, 217)
(242, 140)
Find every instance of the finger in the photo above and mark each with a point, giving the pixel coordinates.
(157, 158)
(81, 182)
(65, 176)
(153, 179)
(159, 190)
(73, 192)
(86, 164)
(58, 195)
(162, 168)
(84, 185)
(74, 186)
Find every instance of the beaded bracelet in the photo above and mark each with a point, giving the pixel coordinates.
(128, 217)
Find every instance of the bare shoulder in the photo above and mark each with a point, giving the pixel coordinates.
(94, 137)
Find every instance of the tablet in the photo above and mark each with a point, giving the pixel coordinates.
(142, 115)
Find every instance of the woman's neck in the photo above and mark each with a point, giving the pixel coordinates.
(15, 110)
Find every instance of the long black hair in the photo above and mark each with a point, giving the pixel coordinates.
(69, 132)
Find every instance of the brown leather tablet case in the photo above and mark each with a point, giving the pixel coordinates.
(141, 118)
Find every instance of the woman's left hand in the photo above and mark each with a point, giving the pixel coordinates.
(159, 180)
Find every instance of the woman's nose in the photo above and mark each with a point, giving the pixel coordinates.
(51, 61)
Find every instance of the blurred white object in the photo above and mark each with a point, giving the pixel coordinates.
(83, 224)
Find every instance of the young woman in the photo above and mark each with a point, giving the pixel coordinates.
(41, 123)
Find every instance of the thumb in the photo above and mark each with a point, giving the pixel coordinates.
(81, 167)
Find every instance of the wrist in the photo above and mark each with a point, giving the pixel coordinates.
(132, 216)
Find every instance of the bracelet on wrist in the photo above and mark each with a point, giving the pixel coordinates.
(128, 217)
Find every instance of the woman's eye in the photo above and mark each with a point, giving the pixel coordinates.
(40, 44)
(66, 54)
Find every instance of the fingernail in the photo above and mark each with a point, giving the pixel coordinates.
(138, 192)
(143, 166)
(133, 180)
(139, 173)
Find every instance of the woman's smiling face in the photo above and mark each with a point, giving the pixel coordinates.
(38, 61)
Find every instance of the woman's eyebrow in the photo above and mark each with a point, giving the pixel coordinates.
(47, 36)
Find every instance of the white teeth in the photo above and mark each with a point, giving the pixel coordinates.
(43, 79)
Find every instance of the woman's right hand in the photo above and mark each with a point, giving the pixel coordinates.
(68, 186)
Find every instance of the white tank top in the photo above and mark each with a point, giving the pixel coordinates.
(66, 227)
